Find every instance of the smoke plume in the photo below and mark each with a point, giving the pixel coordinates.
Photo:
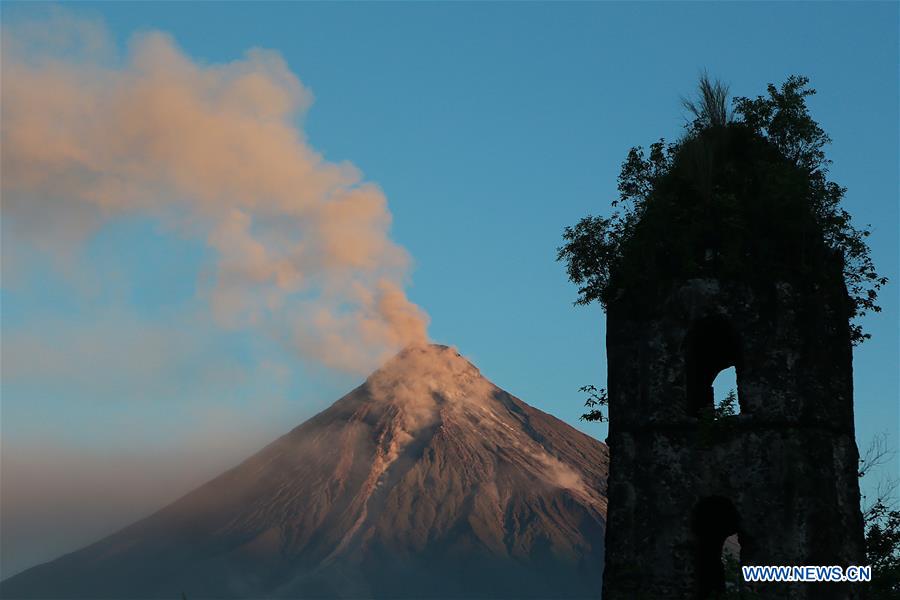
(214, 152)
(423, 377)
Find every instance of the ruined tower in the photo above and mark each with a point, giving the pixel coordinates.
(728, 268)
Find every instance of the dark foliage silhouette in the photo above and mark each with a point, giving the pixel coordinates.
(762, 169)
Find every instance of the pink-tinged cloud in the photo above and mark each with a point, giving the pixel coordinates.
(302, 244)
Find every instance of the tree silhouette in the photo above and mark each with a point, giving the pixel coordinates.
(882, 523)
(596, 398)
(765, 160)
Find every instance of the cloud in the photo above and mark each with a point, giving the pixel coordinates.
(302, 244)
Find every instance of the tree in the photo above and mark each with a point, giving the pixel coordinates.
(781, 145)
(728, 407)
(784, 119)
(882, 524)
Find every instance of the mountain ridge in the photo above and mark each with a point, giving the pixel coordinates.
(427, 480)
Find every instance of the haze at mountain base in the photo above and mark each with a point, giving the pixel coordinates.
(425, 481)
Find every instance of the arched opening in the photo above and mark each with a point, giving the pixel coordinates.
(711, 347)
(715, 520)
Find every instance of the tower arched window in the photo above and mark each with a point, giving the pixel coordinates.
(716, 529)
(712, 348)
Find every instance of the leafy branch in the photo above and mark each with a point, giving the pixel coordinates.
(596, 398)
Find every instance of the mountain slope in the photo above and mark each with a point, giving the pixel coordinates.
(425, 481)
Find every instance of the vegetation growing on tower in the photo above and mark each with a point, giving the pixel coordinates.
(739, 193)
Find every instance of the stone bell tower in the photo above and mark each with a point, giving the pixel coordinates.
(769, 300)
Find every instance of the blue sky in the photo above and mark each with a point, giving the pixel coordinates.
(489, 127)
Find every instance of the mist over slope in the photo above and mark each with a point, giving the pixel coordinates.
(425, 481)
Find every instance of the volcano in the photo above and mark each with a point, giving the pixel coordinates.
(427, 481)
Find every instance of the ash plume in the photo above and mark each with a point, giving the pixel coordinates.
(214, 152)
